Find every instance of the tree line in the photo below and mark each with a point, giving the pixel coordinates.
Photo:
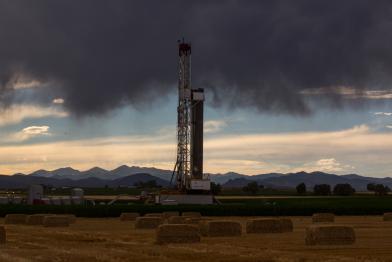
(253, 188)
(342, 189)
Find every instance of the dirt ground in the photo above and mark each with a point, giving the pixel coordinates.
(113, 240)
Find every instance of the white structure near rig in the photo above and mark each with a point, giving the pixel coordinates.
(35, 196)
(193, 187)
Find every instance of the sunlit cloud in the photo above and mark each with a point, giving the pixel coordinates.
(335, 152)
(326, 165)
(213, 126)
(26, 84)
(58, 101)
(348, 92)
(31, 132)
(17, 113)
(389, 126)
(383, 114)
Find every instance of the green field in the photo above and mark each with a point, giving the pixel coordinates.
(231, 206)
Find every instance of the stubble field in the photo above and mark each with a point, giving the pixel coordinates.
(101, 239)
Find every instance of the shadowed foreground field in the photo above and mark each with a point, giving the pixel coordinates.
(108, 239)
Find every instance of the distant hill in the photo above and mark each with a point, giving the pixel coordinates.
(97, 172)
(127, 176)
(23, 181)
(310, 179)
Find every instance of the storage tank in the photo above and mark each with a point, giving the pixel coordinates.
(77, 192)
(35, 192)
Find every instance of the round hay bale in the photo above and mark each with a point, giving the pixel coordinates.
(323, 218)
(264, 225)
(191, 214)
(36, 219)
(129, 216)
(15, 219)
(56, 221)
(177, 220)
(286, 225)
(175, 233)
(387, 216)
(169, 214)
(148, 222)
(329, 235)
(153, 215)
(220, 228)
(3, 235)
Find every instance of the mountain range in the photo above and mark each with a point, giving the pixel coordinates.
(128, 176)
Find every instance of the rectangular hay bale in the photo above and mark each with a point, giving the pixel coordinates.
(193, 220)
(191, 214)
(323, 218)
(175, 233)
(329, 235)
(220, 228)
(56, 221)
(169, 214)
(71, 217)
(286, 225)
(153, 215)
(3, 235)
(129, 216)
(265, 225)
(177, 220)
(148, 222)
(15, 219)
(36, 219)
(387, 216)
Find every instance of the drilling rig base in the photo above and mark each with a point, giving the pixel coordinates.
(175, 199)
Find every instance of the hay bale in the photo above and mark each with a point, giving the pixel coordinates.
(175, 233)
(129, 216)
(193, 220)
(153, 215)
(177, 220)
(323, 218)
(56, 221)
(329, 235)
(71, 217)
(220, 228)
(266, 225)
(36, 219)
(387, 217)
(3, 235)
(148, 222)
(286, 225)
(191, 214)
(15, 219)
(169, 214)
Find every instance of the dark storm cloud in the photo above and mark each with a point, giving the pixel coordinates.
(102, 54)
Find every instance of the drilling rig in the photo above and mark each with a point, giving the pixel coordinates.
(192, 186)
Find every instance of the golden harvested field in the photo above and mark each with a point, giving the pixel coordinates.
(113, 240)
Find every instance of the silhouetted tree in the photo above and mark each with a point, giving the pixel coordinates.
(378, 189)
(343, 190)
(381, 190)
(322, 190)
(216, 189)
(148, 184)
(301, 189)
(251, 188)
(371, 187)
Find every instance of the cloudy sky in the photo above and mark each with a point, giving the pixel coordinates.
(290, 85)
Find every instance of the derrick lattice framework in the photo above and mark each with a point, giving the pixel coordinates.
(189, 164)
(183, 167)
